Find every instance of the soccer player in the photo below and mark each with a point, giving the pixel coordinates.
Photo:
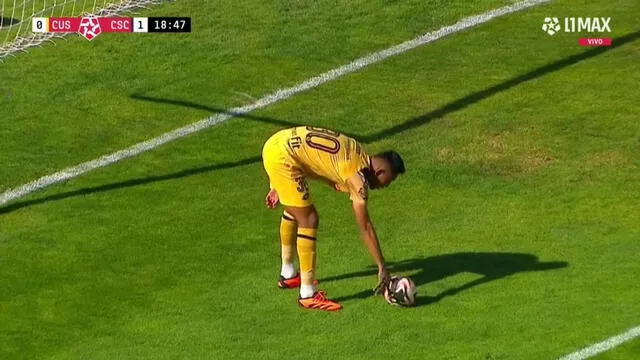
(292, 156)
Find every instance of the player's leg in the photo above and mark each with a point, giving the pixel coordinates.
(293, 192)
(288, 180)
(281, 174)
(288, 234)
(277, 166)
(289, 277)
(308, 220)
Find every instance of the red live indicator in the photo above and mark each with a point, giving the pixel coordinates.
(116, 24)
(594, 42)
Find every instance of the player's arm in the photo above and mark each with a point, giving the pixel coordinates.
(359, 197)
(368, 232)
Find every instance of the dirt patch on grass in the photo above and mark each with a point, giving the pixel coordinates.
(504, 153)
(607, 158)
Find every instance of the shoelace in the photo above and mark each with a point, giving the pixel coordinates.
(321, 295)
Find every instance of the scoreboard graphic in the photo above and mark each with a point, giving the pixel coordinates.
(90, 27)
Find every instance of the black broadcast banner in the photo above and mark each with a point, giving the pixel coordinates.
(170, 24)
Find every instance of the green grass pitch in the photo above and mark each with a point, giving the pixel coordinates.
(518, 217)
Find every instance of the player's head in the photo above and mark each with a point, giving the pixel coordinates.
(385, 168)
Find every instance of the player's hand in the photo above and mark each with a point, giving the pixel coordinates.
(383, 280)
(336, 187)
(272, 199)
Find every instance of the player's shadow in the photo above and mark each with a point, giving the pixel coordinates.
(409, 124)
(491, 266)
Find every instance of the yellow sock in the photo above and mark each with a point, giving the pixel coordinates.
(307, 256)
(288, 233)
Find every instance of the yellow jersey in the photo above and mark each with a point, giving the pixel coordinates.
(329, 156)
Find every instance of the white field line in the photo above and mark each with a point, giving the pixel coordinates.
(603, 346)
(282, 94)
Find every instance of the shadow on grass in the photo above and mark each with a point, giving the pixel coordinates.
(409, 124)
(129, 183)
(7, 21)
(490, 265)
(478, 96)
(215, 110)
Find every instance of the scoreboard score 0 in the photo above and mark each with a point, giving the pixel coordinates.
(91, 26)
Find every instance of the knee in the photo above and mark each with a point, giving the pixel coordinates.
(307, 218)
(313, 219)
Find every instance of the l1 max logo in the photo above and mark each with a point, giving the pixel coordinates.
(552, 25)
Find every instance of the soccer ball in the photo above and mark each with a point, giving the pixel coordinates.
(401, 291)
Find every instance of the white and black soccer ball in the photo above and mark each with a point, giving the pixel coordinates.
(401, 291)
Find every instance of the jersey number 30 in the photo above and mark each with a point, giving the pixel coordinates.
(323, 139)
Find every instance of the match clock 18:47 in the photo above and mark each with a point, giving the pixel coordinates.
(169, 24)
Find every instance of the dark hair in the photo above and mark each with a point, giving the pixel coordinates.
(394, 159)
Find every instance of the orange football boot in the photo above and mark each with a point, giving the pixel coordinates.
(319, 301)
(292, 282)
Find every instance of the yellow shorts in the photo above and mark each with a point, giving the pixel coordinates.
(285, 176)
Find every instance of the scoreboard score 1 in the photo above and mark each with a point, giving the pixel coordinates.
(90, 27)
